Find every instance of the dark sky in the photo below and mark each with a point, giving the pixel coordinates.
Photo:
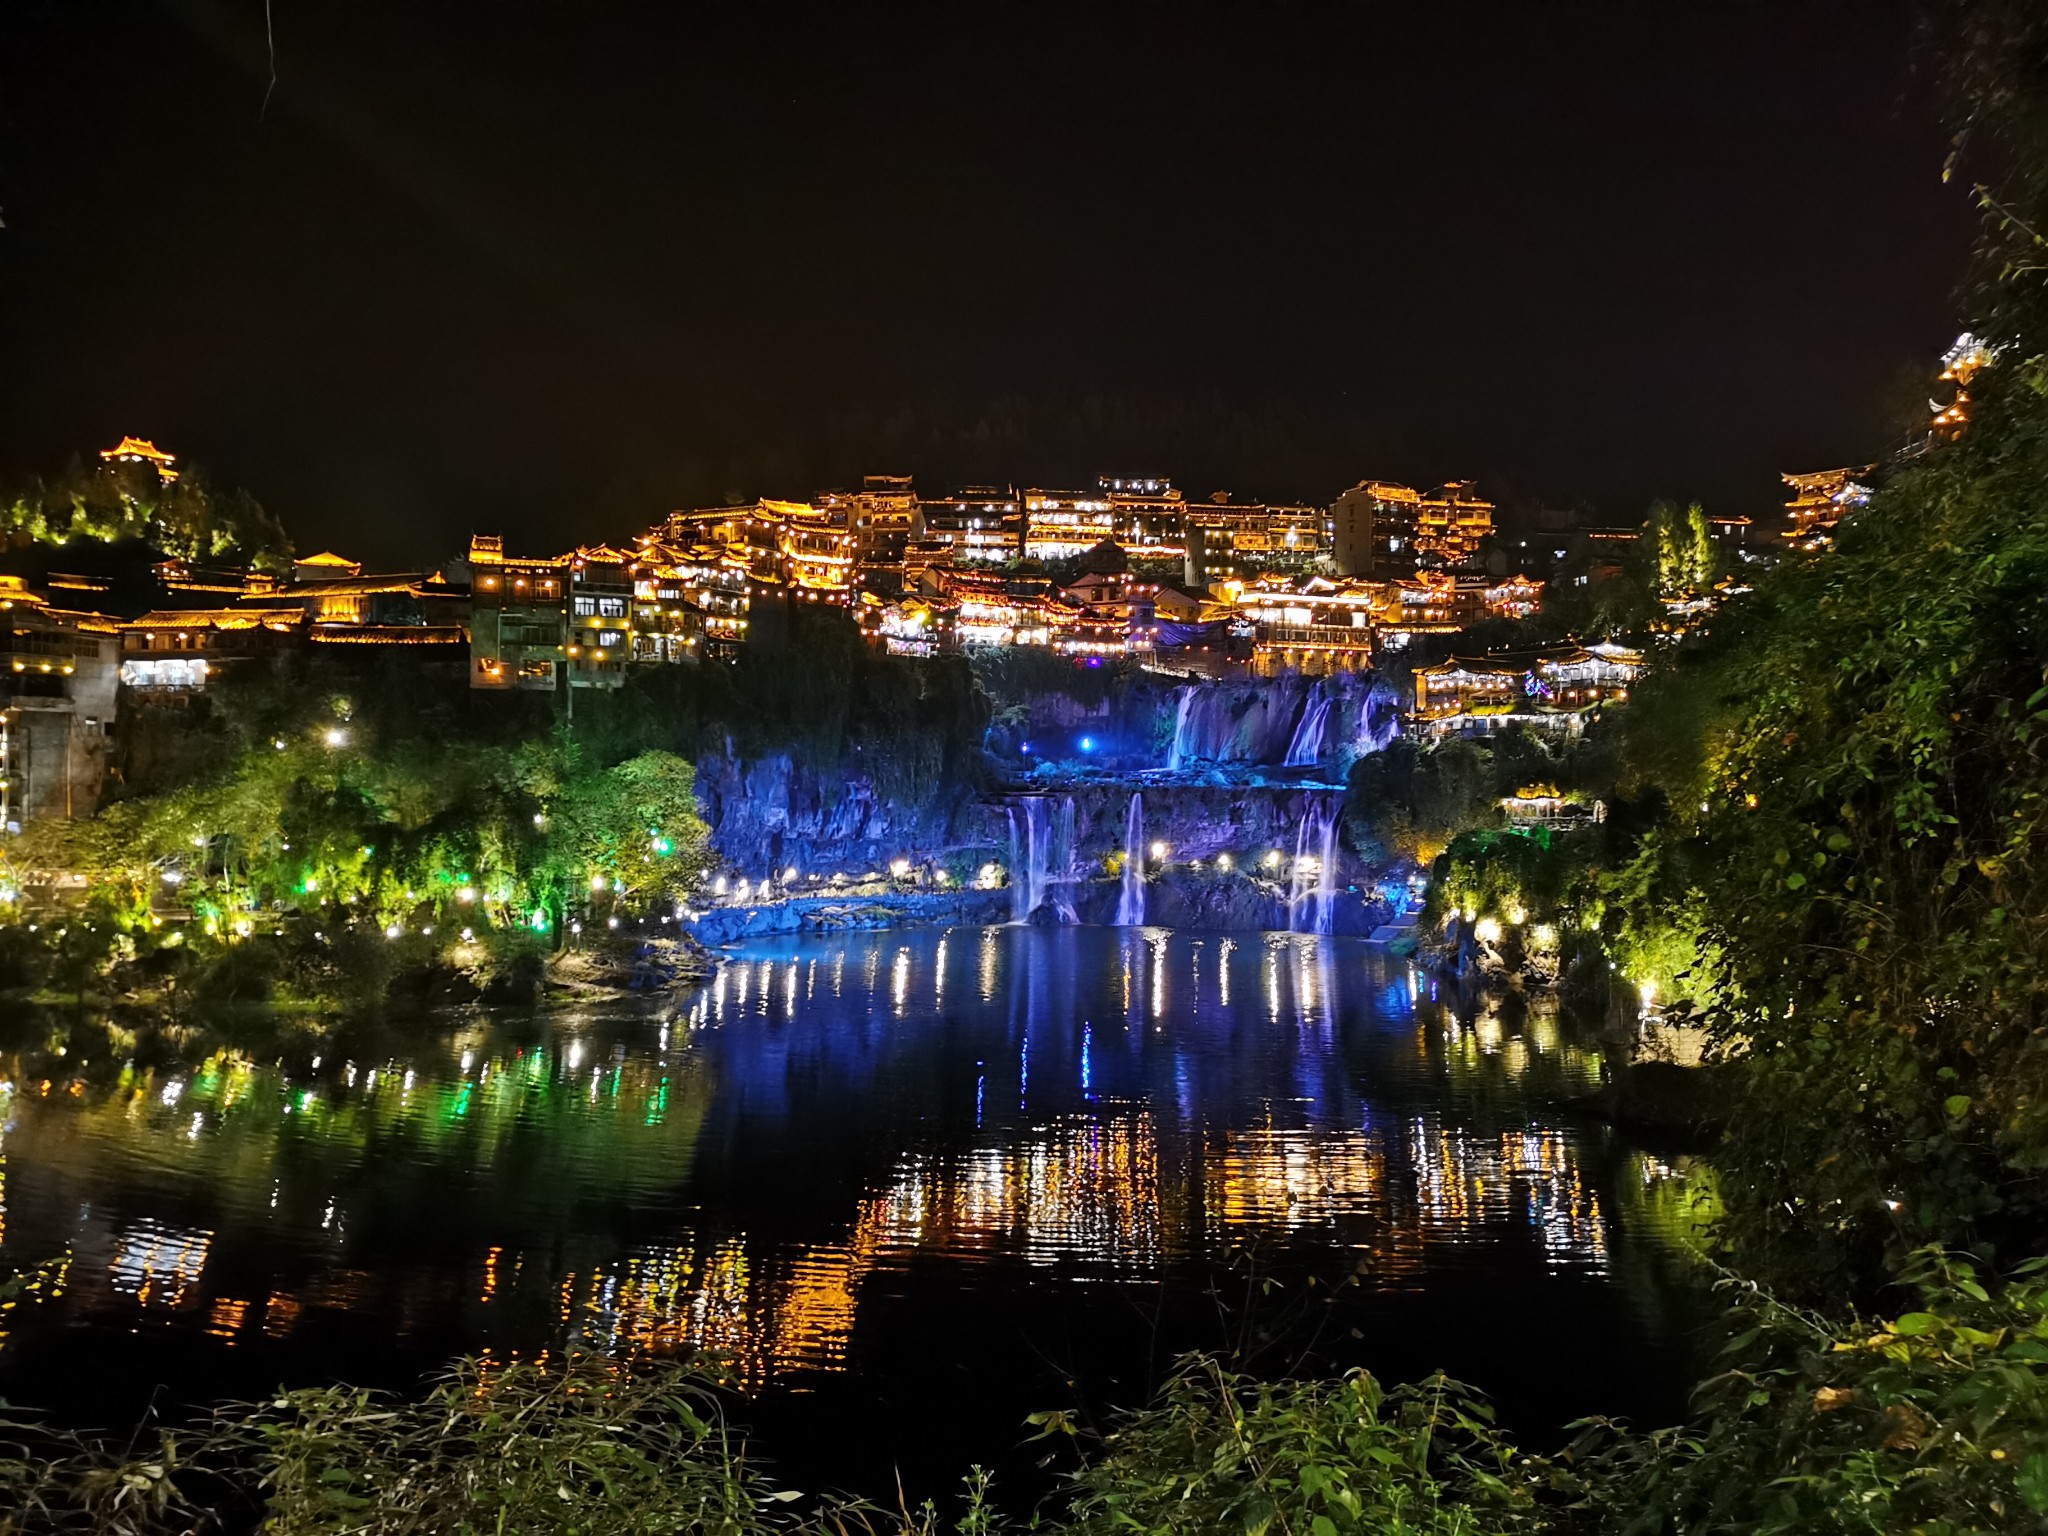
(556, 268)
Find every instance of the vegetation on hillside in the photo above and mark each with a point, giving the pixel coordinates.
(186, 517)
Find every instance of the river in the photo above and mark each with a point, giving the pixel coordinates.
(913, 1185)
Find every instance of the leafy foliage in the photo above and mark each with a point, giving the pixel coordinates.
(185, 517)
(1218, 1452)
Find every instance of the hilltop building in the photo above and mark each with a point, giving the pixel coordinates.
(1821, 499)
(142, 452)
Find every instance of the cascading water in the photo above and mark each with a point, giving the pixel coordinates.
(1183, 711)
(1037, 847)
(1062, 884)
(1312, 886)
(1305, 749)
(1130, 903)
(1379, 721)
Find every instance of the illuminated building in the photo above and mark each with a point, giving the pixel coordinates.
(600, 629)
(1148, 515)
(1451, 522)
(1580, 679)
(519, 619)
(1373, 529)
(1261, 538)
(58, 676)
(1514, 597)
(1821, 500)
(909, 626)
(1959, 364)
(325, 566)
(142, 452)
(881, 517)
(1114, 617)
(339, 608)
(1211, 555)
(687, 603)
(995, 611)
(175, 652)
(1306, 624)
(1061, 524)
(1731, 533)
(1378, 528)
(1429, 603)
(1556, 688)
(790, 549)
(979, 524)
(1468, 688)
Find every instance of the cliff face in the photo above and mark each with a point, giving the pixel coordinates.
(774, 813)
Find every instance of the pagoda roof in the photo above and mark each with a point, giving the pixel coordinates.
(138, 448)
(214, 618)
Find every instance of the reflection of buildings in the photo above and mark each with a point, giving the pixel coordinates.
(1121, 1165)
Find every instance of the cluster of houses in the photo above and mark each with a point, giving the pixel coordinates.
(1127, 569)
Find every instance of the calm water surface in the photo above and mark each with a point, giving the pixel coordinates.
(913, 1186)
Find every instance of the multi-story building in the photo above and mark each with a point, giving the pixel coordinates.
(1061, 524)
(519, 621)
(1381, 529)
(179, 651)
(1513, 597)
(1148, 516)
(58, 677)
(1556, 688)
(688, 604)
(979, 524)
(1373, 529)
(600, 637)
(1288, 538)
(997, 610)
(1306, 624)
(881, 517)
(1959, 364)
(1450, 524)
(1821, 499)
(791, 549)
(1211, 556)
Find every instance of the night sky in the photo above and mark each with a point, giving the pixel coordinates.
(554, 269)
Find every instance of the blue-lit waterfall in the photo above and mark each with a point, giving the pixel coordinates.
(1041, 853)
(1130, 904)
(1290, 721)
(1312, 882)
(1305, 749)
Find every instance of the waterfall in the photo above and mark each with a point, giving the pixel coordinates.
(1041, 858)
(1130, 904)
(1062, 882)
(1312, 884)
(1183, 712)
(1305, 749)
(1377, 727)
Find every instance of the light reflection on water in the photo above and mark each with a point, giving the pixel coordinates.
(822, 1124)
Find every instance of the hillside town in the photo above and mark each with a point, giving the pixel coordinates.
(1131, 571)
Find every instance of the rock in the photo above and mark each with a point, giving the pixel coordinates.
(630, 965)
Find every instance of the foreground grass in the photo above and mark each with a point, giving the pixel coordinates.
(1934, 1421)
